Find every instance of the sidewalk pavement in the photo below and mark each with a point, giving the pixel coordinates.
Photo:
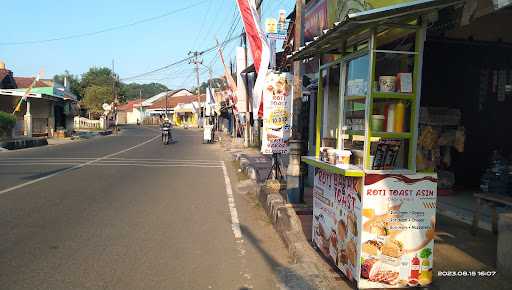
(455, 248)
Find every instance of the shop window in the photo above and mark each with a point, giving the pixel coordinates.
(331, 103)
(355, 94)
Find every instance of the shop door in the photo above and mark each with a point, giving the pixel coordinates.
(60, 119)
(473, 78)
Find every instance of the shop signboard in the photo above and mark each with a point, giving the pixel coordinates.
(339, 10)
(336, 219)
(277, 28)
(276, 113)
(315, 19)
(377, 229)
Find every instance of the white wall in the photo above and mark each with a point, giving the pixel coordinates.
(132, 116)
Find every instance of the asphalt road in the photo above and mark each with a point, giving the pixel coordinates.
(126, 212)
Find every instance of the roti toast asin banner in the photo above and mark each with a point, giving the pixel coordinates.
(276, 113)
(378, 230)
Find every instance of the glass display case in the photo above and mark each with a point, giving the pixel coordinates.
(368, 101)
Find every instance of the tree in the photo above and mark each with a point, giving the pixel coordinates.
(215, 83)
(72, 80)
(97, 76)
(131, 91)
(7, 122)
(95, 96)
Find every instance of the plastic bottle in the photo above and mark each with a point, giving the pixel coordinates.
(426, 273)
(390, 126)
(399, 117)
(415, 268)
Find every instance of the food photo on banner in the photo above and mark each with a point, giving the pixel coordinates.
(378, 232)
(276, 113)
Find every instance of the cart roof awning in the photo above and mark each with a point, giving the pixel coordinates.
(333, 39)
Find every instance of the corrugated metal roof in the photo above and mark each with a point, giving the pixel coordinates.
(155, 98)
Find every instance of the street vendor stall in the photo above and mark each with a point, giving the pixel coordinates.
(374, 214)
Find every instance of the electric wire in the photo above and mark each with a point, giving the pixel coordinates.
(86, 34)
(184, 60)
(206, 14)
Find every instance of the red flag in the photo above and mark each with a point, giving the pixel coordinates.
(259, 48)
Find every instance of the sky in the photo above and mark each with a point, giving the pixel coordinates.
(135, 49)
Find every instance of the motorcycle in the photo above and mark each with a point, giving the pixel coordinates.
(166, 135)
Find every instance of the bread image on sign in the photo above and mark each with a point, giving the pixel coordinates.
(372, 247)
(278, 118)
(392, 248)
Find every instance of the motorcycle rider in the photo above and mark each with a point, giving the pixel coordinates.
(166, 131)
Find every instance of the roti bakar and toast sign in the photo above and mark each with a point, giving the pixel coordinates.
(276, 113)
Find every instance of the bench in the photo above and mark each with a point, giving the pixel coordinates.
(491, 200)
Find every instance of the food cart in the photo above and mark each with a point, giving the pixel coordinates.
(373, 213)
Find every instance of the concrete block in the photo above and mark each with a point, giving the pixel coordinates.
(244, 162)
(274, 202)
(252, 173)
(504, 249)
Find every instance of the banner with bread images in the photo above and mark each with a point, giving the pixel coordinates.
(377, 229)
(336, 221)
(398, 224)
(276, 113)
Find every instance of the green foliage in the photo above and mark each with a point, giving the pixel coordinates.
(425, 253)
(95, 96)
(215, 82)
(7, 122)
(131, 91)
(95, 88)
(73, 82)
(97, 76)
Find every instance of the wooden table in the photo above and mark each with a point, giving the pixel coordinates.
(491, 200)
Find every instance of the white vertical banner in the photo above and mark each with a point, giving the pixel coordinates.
(276, 113)
(241, 93)
(210, 101)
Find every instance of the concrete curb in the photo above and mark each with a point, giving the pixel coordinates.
(23, 143)
(288, 225)
(310, 271)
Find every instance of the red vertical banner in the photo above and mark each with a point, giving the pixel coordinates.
(259, 47)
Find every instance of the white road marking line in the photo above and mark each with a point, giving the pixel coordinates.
(156, 165)
(101, 163)
(41, 161)
(74, 167)
(46, 158)
(158, 159)
(113, 159)
(235, 222)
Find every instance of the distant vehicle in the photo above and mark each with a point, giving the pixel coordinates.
(166, 133)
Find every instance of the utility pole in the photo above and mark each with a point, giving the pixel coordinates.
(114, 95)
(248, 128)
(295, 183)
(196, 61)
(166, 106)
(257, 120)
(140, 108)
